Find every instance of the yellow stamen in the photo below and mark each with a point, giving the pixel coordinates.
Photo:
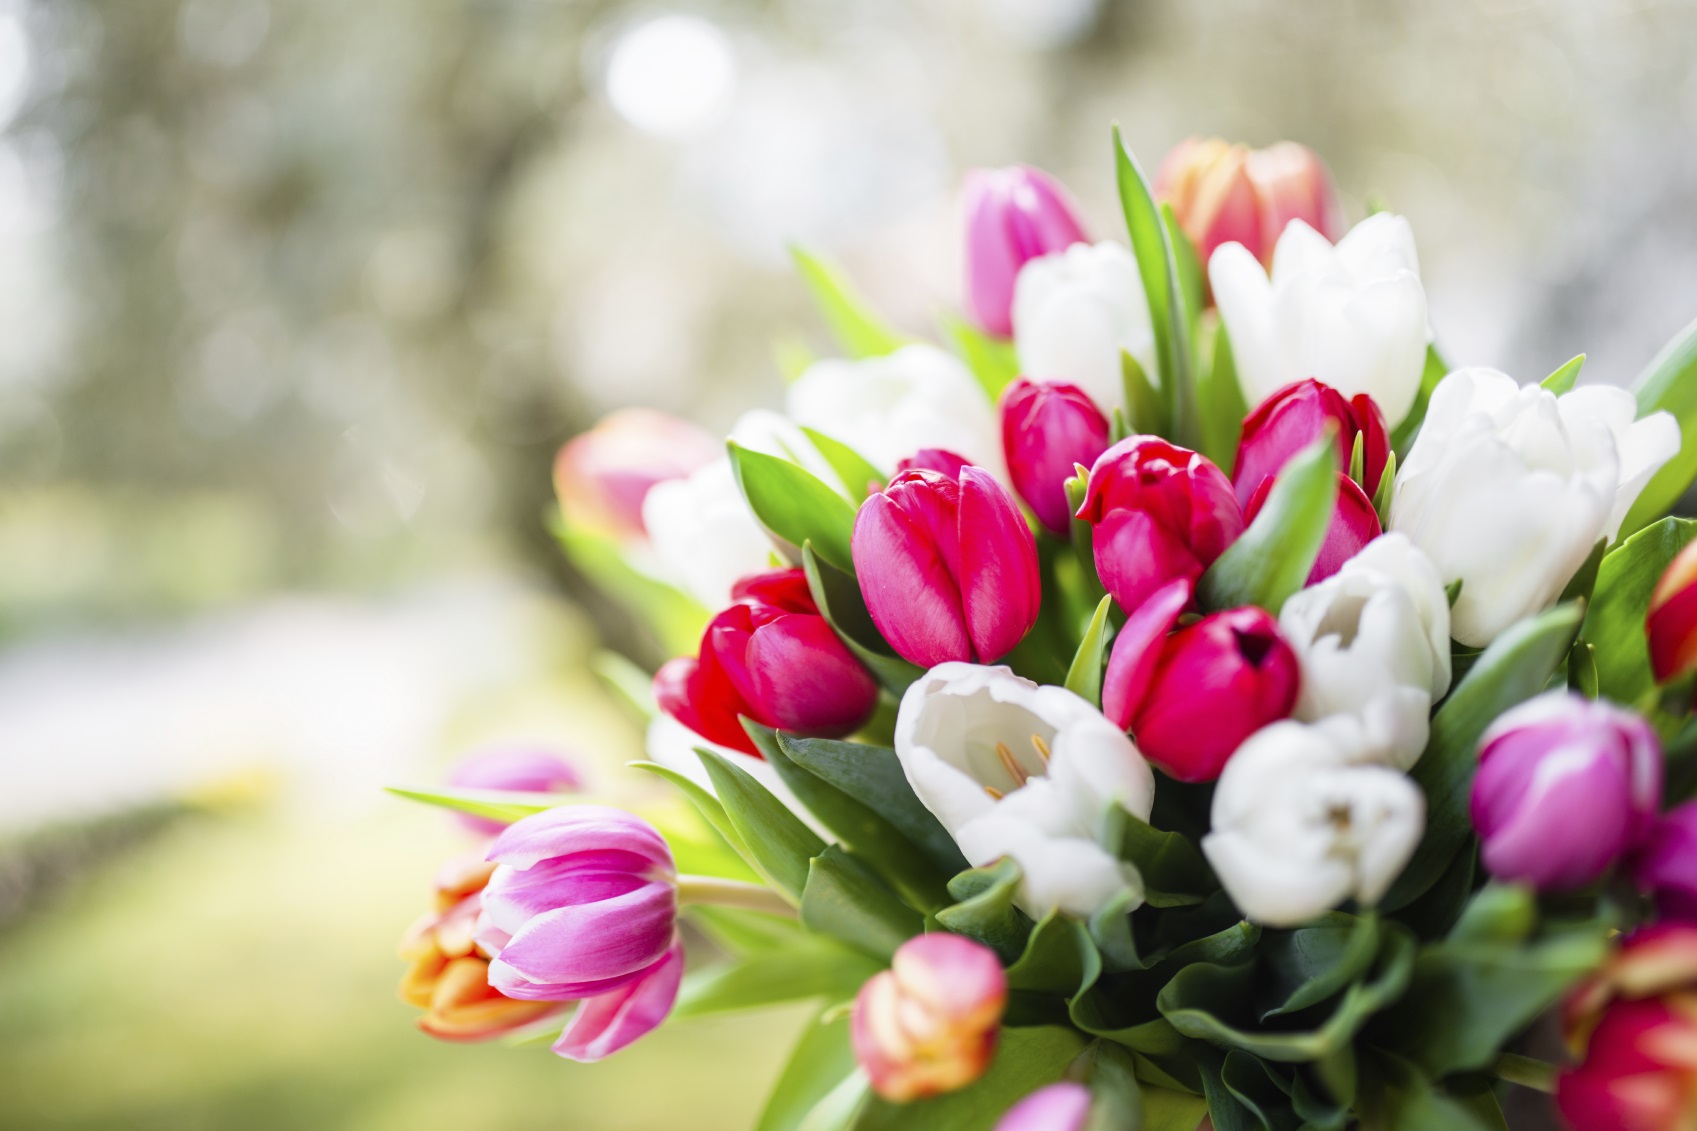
(994, 793)
(1042, 748)
(1014, 769)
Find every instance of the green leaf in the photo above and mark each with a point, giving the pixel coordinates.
(628, 681)
(994, 362)
(1274, 556)
(1173, 869)
(846, 901)
(705, 802)
(741, 932)
(838, 596)
(495, 804)
(1145, 411)
(1583, 583)
(1057, 958)
(1397, 1098)
(1219, 397)
(858, 476)
(1167, 1110)
(841, 1106)
(1312, 964)
(1435, 913)
(1258, 1090)
(1516, 666)
(858, 329)
(986, 913)
(1192, 286)
(794, 505)
(1026, 1059)
(1159, 269)
(1669, 382)
(1614, 623)
(1084, 677)
(821, 1060)
(779, 845)
(675, 617)
(809, 968)
(1498, 913)
(1402, 436)
(1383, 495)
(1357, 458)
(1562, 379)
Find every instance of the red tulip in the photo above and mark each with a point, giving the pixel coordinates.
(1160, 513)
(1354, 524)
(772, 658)
(1047, 427)
(1224, 193)
(1672, 620)
(1295, 417)
(1192, 696)
(948, 567)
(1012, 216)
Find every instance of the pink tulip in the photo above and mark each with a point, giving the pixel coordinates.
(1225, 193)
(1160, 512)
(1666, 866)
(1566, 785)
(1047, 427)
(928, 1024)
(1354, 524)
(940, 460)
(1635, 1024)
(1295, 417)
(1064, 1106)
(1190, 697)
(582, 906)
(948, 568)
(602, 476)
(770, 657)
(1013, 216)
(1672, 620)
(516, 769)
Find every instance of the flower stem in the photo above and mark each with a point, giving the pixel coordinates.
(732, 893)
(1525, 1071)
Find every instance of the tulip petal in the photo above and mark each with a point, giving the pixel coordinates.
(805, 680)
(1137, 649)
(606, 939)
(579, 828)
(908, 589)
(608, 1022)
(1000, 589)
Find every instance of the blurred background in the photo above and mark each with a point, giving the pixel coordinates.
(298, 300)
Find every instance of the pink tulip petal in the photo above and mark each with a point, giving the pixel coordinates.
(908, 588)
(1000, 588)
(579, 828)
(1137, 651)
(607, 1023)
(806, 680)
(588, 942)
(1063, 1106)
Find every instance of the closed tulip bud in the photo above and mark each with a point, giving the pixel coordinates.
(582, 906)
(1013, 216)
(1225, 193)
(928, 1024)
(1634, 1024)
(1672, 620)
(1355, 523)
(940, 460)
(948, 567)
(1064, 1106)
(1295, 417)
(1666, 866)
(1557, 764)
(770, 657)
(518, 769)
(1046, 429)
(603, 475)
(1160, 513)
(1192, 696)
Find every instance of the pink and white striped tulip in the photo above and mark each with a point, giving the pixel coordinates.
(582, 906)
(1013, 216)
(1047, 427)
(1063, 1106)
(1666, 866)
(519, 769)
(1160, 512)
(1556, 764)
(948, 567)
(928, 1025)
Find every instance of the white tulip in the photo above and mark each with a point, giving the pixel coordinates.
(1374, 643)
(771, 433)
(1014, 769)
(1073, 312)
(1351, 316)
(703, 534)
(1507, 488)
(887, 408)
(671, 744)
(1298, 826)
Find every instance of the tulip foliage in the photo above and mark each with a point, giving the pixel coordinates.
(1179, 695)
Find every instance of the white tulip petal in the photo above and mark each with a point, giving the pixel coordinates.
(703, 534)
(1074, 312)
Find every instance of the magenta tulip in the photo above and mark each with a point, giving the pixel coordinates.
(770, 657)
(1354, 524)
(1666, 866)
(1190, 697)
(1064, 1106)
(1047, 427)
(517, 769)
(1013, 216)
(582, 906)
(1295, 417)
(1160, 513)
(603, 475)
(948, 568)
(1566, 785)
(928, 1025)
(940, 460)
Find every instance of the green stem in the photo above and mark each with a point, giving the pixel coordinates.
(1538, 1075)
(732, 893)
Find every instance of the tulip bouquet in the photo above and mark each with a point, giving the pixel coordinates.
(1181, 696)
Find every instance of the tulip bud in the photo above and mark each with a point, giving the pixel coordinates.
(582, 906)
(1013, 215)
(1667, 864)
(1160, 513)
(518, 769)
(1064, 1106)
(948, 568)
(773, 658)
(928, 1024)
(1224, 193)
(940, 460)
(1295, 417)
(1046, 429)
(1355, 523)
(1672, 620)
(1635, 1025)
(1191, 697)
(603, 475)
(1556, 764)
